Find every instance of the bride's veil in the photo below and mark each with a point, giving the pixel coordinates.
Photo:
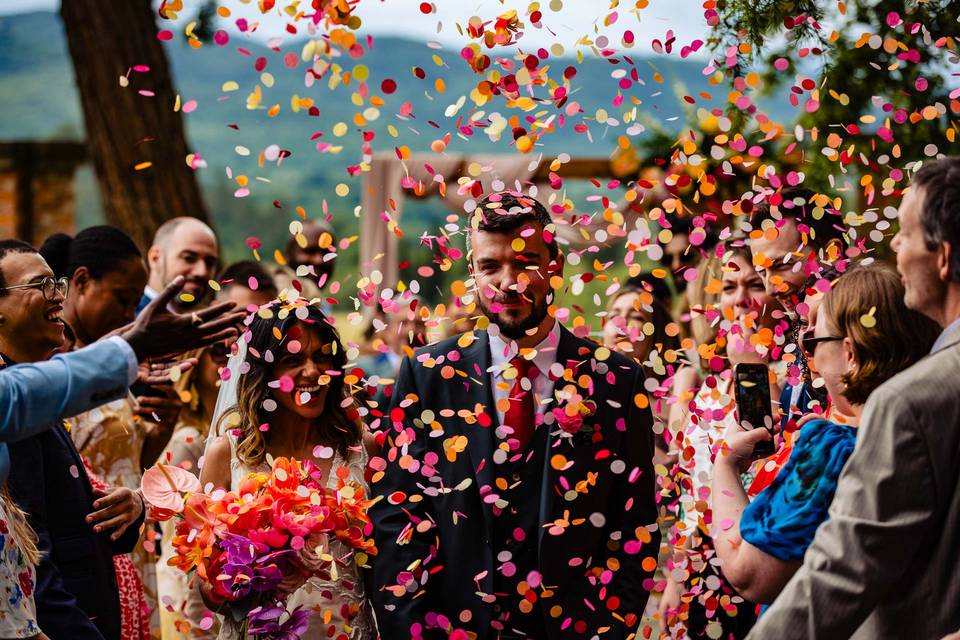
(227, 397)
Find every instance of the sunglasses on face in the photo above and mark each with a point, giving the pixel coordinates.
(50, 287)
(809, 342)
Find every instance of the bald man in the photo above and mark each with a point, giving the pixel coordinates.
(182, 247)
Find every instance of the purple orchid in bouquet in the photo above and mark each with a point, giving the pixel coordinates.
(251, 566)
(274, 622)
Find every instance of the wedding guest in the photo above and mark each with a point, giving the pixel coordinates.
(182, 610)
(796, 235)
(517, 491)
(682, 251)
(317, 414)
(702, 299)
(121, 438)
(404, 331)
(79, 530)
(310, 258)
(761, 550)
(748, 327)
(247, 284)
(883, 564)
(461, 318)
(639, 326)
(185, 247)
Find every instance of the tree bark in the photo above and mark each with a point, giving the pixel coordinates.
(124, 128)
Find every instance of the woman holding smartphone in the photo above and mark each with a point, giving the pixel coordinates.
(861, 335)
(750, 330)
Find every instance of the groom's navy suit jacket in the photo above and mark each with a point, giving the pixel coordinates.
(604, 493)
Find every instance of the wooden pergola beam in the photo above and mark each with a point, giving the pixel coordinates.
(578, 168)
(60, 153)
(28, 159)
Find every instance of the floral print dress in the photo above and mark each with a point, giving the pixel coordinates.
(18, 613)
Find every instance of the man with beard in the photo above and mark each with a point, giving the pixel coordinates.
(181, 247)
(797, 239)
(516, 498)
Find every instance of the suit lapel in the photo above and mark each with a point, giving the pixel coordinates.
(67, 443)
(480, 439)
(567, 356)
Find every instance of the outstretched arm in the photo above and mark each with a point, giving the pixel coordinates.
(35, 396)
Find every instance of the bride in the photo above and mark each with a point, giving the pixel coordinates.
(291, 401)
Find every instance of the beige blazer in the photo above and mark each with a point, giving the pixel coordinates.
(886, 564)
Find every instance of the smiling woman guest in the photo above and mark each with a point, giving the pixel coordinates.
(862, 335)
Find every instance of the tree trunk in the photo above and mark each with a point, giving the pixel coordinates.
(124, 128)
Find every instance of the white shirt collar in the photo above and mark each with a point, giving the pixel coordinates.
(502, 352)
(150, 293)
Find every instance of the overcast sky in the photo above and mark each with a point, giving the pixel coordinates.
(403, 18)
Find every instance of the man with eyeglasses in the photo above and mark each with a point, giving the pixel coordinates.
(78, 531)
(797, 239)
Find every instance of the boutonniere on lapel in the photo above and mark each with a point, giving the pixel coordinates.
(573, 415)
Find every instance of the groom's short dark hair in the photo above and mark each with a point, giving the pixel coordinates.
(506, 211)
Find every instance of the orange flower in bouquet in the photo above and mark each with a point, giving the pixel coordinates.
(251, 545)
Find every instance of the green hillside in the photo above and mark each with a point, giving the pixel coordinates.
(39, 101)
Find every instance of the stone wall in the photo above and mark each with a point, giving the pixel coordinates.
(46, 170)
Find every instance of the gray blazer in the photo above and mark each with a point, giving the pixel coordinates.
(886, 564)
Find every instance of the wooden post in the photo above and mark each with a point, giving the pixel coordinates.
(125, 129)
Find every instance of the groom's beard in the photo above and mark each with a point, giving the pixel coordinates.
(511, 326)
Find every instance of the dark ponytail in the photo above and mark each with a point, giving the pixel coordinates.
(100, 249)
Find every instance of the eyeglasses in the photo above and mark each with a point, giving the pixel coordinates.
(50, 287)
(809, 342)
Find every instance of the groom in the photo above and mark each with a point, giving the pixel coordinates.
(517, 498)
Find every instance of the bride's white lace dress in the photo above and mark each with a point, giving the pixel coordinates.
(340, 603)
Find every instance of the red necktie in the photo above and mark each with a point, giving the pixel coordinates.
(521, 415)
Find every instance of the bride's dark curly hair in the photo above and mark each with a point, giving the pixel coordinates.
(339, 426)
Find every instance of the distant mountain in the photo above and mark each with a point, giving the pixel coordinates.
(39, 101)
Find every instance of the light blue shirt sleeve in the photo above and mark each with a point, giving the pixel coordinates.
(35, 396)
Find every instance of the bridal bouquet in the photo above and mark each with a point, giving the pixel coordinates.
(255, 546)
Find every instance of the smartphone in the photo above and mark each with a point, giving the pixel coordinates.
(752, 392)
